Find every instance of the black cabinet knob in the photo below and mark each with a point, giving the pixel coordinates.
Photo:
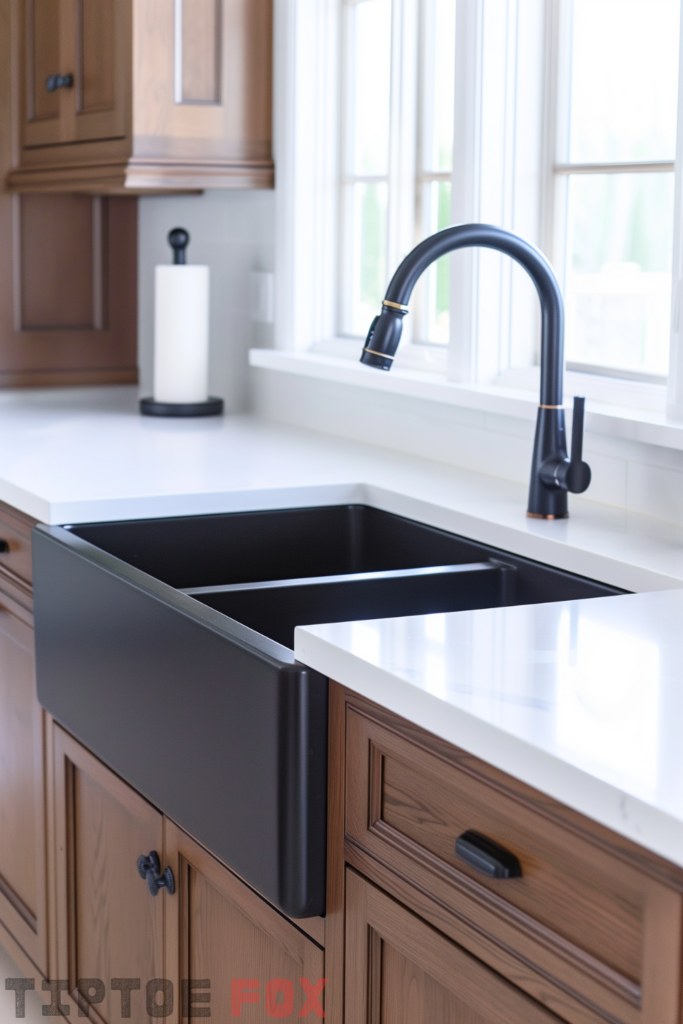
(488, 857)
(59, 82)
(4, 547)
(149, 868)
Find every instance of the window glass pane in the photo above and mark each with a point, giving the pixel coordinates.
(435, 293)
(618, 288)
(438, 90)
(369, 264)
(369, 56)
(624, 81)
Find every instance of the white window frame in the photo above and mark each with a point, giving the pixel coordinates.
(485, 328)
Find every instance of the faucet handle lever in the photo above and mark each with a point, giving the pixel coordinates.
(578, 472)
(577, 428)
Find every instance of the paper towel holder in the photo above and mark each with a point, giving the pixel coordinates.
(179, 239)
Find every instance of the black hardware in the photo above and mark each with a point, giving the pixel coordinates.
(211, 407)
(550, 478)
(150, 869)
(4, 547)
(488, 857)
(59, 82)
(179, 239)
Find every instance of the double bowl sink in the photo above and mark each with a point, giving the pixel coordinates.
(165, 646)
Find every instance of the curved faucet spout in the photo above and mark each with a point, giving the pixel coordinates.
(553, 474)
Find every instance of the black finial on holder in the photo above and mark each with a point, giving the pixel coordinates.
(179, 239)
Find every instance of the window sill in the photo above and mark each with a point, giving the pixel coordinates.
(630, 424)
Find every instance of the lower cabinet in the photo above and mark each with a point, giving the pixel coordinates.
(204, 945)
(23, 900)
(108, 925)
(246, 958)
(399, 970)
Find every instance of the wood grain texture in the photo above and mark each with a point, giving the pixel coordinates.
(23, 895)
(140, 140)
(503, 958)
(109, 926)
(41, 20)
(98, 47)
(200, 51)
(61, 278)
(96, 56)
(16, 565)
(60, 262)
(336, 873)
(219, 930)
(401, 971)
(601, 936)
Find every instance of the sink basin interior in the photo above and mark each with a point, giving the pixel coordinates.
(274, 570)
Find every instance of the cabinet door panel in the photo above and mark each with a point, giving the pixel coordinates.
(101, 33)
(200, 52)
(221, 931)
(97, 24)
(109, 926)
(22, 791)
(399, 970)
(40, 33)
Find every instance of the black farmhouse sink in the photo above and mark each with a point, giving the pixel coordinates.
(165, 646)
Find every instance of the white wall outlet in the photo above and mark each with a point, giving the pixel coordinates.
(262, 297)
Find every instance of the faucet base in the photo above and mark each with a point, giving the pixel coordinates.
(539, 515)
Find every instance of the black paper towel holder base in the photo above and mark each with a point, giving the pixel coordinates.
(211, 407)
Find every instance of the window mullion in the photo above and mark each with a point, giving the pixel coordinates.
(402, 153)
(675, 385)
(465, 186)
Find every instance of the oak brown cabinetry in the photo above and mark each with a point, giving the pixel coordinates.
(23, 826)
(592, 929)
(213, 928)
(108, 925)
(68, 263)
(23, 908)
(219, 930)
(399, 970)
(162, 95)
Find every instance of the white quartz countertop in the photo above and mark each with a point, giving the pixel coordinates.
(582, 700)
(86, 455)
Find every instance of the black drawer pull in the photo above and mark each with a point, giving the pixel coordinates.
(149, 868)
(484, 855)
(4, 547)
(55, 82)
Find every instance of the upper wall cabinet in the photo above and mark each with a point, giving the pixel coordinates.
(135, 96)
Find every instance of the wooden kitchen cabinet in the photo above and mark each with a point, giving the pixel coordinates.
(590, 931)
(221, 932)
(23, 897)
(89, 37)
(401, 971)
(108, 924)
(213, 929)
(68, 268)
(23, 768)
(153, 95)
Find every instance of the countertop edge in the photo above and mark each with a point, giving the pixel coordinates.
(623, 813)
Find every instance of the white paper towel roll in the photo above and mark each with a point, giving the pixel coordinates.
(181, 334)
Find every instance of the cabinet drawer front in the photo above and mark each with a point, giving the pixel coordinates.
(398, 969)
(586, 919)
(15, 546)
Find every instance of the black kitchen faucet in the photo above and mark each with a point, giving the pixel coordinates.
(553, 474)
